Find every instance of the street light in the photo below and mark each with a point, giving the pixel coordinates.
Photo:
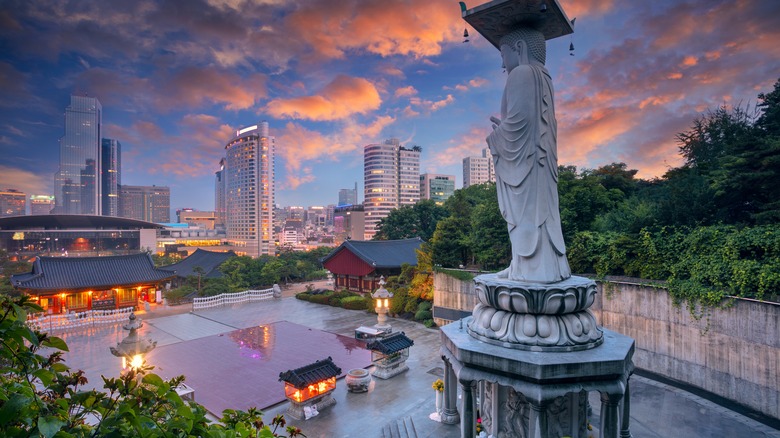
(382, 297)
(133, 348)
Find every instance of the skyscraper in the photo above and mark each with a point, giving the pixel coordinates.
(249, 178)
(478, 170)
(436, 187)
(110, 175)
(77, 183)
(391, 180)
(12, 203)
(220, 195)
(145, 203)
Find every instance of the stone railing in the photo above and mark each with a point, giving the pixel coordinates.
(733, 353)
(236, 298)
(89, 318)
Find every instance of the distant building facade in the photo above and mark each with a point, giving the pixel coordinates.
(436, 187)
(202, 219)
(348, 196)
(478, 170)
(77, 183)
(110, 175)
(349, 223)
(145, 203)
(41, 204)
(391, 180)
(12, 203)
(250, 191)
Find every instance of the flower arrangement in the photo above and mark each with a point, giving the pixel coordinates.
(438, 385)
(479, 426)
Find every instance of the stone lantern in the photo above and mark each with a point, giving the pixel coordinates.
(382, 297)
(133, 348)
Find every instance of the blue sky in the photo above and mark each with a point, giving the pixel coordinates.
(176, 78)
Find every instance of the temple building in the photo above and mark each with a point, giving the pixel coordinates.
(64, 284)
(356, 265)
(208, 262)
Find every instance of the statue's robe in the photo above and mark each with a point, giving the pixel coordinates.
(524, 148)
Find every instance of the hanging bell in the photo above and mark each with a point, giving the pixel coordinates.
(465, 35)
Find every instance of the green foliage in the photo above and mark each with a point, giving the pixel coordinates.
(429, 323)
(418, 220)
(461, 275)
(422, 315)
(356, 303)
(9, 266)
(180, 294)
(41, 396)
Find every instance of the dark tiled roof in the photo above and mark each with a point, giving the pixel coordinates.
(390, 344)
(208, 260)
(382, 253)
(57, 273)
(72, 221)
(307, 375)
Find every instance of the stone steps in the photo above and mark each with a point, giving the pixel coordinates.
(401, 428)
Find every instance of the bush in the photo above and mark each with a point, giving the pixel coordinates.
(423, 315)
(424, 305)
(334, 301)
(355, 303)
(429, 323)
(320, 299)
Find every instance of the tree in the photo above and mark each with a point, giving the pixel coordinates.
(41, 396)
(418, 220)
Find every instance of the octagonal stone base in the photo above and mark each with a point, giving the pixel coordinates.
(542, 377)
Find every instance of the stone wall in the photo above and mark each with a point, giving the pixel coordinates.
(452, 298)
(736, 357)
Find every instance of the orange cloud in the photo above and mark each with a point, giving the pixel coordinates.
(297, 144)
(341, 98)
(468, 144)
(25, 181)
(689, 61)
(430, 105)
(405, 91)
(581, 8)
(334, 27)
(193, 86)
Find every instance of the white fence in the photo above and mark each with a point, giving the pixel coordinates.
(90, 318)
(236, 298)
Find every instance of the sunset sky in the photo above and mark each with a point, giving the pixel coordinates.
(177, 78)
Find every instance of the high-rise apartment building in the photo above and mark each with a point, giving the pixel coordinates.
(110, 175)
(348, 196)
(249, 168)
(41, 204)
(478, 170)
(145, 203)
(12, 203)
(220, 195)
(391, 180)
(436, 187)
(77, 183)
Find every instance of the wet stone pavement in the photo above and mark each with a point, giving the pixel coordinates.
(205, 346)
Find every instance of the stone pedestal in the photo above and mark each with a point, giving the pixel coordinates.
(537, 393)
(391, 367)
(322, 401)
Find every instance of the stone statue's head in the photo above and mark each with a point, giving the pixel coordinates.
(528, 43)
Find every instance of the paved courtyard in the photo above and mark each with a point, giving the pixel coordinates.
(657, 410)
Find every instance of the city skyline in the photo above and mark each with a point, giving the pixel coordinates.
(176, 80)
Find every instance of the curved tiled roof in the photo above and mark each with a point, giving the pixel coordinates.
(312, 373)
(390, 344)
(208, 260)
(57, 273)
(382, 253)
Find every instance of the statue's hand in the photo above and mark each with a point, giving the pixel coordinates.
(496, 121)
